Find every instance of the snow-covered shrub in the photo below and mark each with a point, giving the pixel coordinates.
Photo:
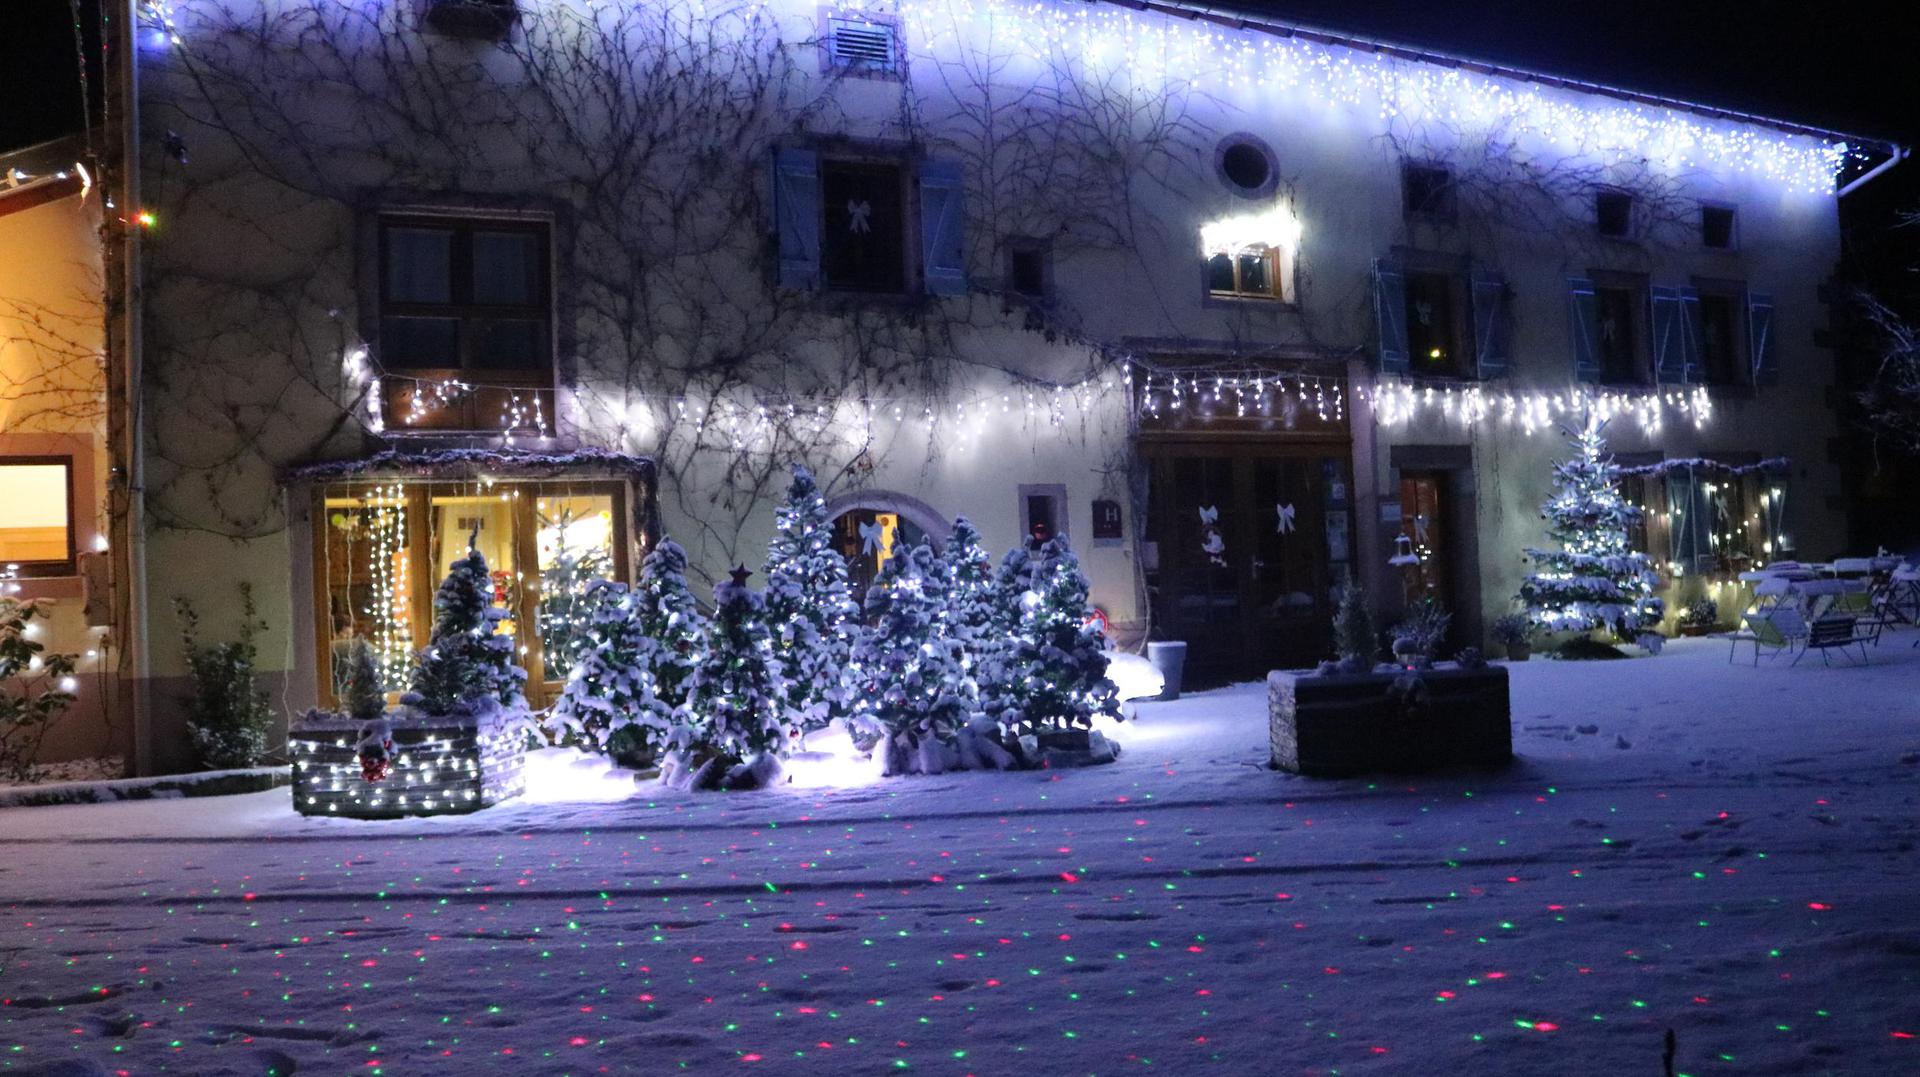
(31, 697)
(1422, 631)
(227, 714)
(910, 670)
(1049, 675)
(608, 704)
(1353, 636)
(1512, 629)
(1701, 613)
(466, 657)
(731, 732)
(972, 608)
(365, 697)
(666, 612)
(810, 607)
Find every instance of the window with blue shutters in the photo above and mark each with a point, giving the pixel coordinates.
(1760, 342)
(943, 228)
(1390, 316)
(796, 209)
(1670, 336)
(1583, 318)
(1491, 324)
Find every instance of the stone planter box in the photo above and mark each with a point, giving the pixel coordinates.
(1351, 724)
(441, 765)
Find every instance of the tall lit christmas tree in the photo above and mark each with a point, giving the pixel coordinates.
(971, 609)
(1050, 674)
(466, 658)
(564, 608)
(1596, 579)
(810, 607)
(608, 704)
(732, 729)
(665, 611)
(911, 676)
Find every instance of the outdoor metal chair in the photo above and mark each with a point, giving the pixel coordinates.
(1778, 627)
(1834, 633)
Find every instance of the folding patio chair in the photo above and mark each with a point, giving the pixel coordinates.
(1834, 633)
(1779, 628)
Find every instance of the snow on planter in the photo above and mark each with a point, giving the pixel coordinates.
(1335, 725)
(408, 764)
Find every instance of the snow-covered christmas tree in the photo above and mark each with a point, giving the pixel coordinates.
(731, 732)
(1596, 579)
(810, 607)
(364, 697)
(1012, 583)
(665, 611)
(911, 676)
(564, 609)
(971, 607)
(466, 658)
(608, 704)
(1051, 673)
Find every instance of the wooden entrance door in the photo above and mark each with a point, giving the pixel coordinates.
(1250, 542)
(1424, 521)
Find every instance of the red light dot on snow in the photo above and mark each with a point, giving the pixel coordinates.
(1546, 1026)
(1069, 876)
(1496, 975)
(797, 946)
(578, 1041)
(248, 896)
(1818, 906)
(750, 1058)
(1903, 1035)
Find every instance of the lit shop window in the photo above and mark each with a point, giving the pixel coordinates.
(36, 515)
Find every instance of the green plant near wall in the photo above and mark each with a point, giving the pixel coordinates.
(227, 714)
(32, 698)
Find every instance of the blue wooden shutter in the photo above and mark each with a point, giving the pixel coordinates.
(943, 248)
(1693, 334)
(1390, 315)
(1691, 513)
(1760, 345)
(796, 210)
(1583, 314)
(1492, 352)
(1669, 336)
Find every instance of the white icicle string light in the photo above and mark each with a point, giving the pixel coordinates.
(1155, 47)
(1396, 403)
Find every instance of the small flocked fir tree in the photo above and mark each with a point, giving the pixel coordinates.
(1012, 583)
(1051, 673)
(666, 612)
(1596, 579)
(466, 659)
(732, 729)
(364, 697)
(971, 607)
(1353, 636)
(912, 681)
(810, 607)
(608, 704)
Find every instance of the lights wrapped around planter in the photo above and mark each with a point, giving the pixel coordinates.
(437, 765)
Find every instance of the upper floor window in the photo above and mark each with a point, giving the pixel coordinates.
(1610, 331)
(1029, 268)
(1427, 190)
(1718, 227)
(1440, 316)
(1251, 257)
(863, 242)
(848, 223)
(37, 529)
(1613, 213)
(465, 320)
(1721, 336)
(1246, 165)
(1434, 338)
(860, 44)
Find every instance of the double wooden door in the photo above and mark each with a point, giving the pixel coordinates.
(1250, 545)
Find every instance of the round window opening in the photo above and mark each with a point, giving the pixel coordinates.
(1246, 166)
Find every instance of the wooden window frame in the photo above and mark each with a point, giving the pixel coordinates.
(500, 386)
(1279, 269)
(69, 565)
(424, 576)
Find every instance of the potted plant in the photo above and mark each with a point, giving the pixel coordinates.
(1515, 633)
(1417, 638)
(1702, 617)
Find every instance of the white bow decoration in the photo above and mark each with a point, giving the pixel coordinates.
(870, 536)
(1285, 512)
(857, 216)
(1209, 514)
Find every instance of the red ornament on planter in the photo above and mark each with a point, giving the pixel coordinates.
(376, 761)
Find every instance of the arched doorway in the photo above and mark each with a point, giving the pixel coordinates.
(869, 528)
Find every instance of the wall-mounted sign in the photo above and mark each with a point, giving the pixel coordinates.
(1106, 520)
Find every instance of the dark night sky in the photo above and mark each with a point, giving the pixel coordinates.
(1839, 67)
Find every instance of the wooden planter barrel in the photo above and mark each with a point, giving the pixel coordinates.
(1347, 724)
(441, 765)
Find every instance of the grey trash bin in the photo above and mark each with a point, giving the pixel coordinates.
(1170, 658)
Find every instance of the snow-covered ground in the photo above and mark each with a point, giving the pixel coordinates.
(1718, 850)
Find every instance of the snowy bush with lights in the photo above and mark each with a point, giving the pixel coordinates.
(1048, 675)
(810, 607)
(455, 743)
(973, 611)
(1596, 579)
(667, 613)
(36, 688)
(608, 705)
(732, 731)
(910, 669)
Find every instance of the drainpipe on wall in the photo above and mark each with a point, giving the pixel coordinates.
(125, 425)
